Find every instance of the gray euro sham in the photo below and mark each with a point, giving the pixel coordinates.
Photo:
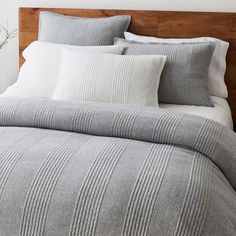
(69, 168)
(184, 79)
(57, 28)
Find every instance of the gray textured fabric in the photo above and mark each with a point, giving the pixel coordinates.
(70, 168)
(184, 78)
(56, 28)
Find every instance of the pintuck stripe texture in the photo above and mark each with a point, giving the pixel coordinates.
(82, 118)
(108, 78)
(95, 169)
(103, 117)
(209, 129)
(94, 186)
(124, 121)
(121, 81)
(194, 208)
(7, 113)
(44, 183)
(142, 199)
(11, 155)
(86, 89)
(166, 126)
(43, 115)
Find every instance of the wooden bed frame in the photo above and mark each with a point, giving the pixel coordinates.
(154, 23)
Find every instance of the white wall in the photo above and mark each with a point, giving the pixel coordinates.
(9, 10)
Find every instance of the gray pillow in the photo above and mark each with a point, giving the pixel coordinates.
(56, 28)
(184, 79)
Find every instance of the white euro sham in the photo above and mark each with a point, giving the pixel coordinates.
(39, 74)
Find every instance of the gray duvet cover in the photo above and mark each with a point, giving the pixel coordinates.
(73, 169)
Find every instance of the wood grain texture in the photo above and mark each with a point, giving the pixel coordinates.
(154, 23)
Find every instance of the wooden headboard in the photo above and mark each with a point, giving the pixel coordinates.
(154, 23)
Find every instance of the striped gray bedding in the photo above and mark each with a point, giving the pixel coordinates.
(69, 168)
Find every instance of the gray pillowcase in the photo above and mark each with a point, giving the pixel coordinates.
(184, 79)
(56, 28)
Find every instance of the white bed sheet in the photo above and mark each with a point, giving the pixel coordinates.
(220, 112)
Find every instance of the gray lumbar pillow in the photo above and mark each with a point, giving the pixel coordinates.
(184, 79)
(56, 28)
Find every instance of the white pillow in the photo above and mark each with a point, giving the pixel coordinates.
(217, 66)
(98, 77)
(39, 74)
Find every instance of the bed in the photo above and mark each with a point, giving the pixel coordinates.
(78, 168)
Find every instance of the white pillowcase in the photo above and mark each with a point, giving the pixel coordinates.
(98, 77)
(217, 66)
(39, 74)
